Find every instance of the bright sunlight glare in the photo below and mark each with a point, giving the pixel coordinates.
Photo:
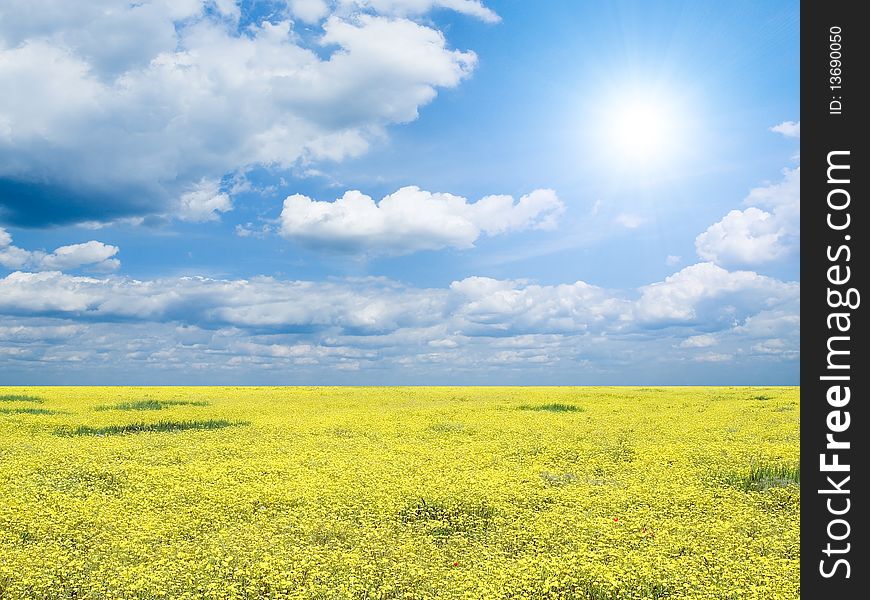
(647, 128)
(642, 129)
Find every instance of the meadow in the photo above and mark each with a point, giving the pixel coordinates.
(375, 493)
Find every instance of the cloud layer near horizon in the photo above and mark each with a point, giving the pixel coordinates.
(372, 323)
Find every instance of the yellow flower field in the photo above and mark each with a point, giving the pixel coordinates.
(429, 492)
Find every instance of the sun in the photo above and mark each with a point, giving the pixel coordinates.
(642, 129)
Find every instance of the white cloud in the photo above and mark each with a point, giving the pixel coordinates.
(789, 129)
(491, 306)
(778, 322)
(629, 220)
(474, 8)
(309, 11)
(140, 102)
(229, 8)
(13, 257)
(302, 354)
(500, 214)
(748, 237)
(412, 219)
(673, 260)
(251, 230)
(32, 333)
(772, 346)
(93, 254)
(366, 305)
(754, 236)
(375, 323)
(203, 202)
(714, 357)
(781, 197)
(699, 341)
(268, 330)
(473, 306)
(771, 335)
(706, 293)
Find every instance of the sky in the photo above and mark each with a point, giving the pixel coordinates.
(381, 192)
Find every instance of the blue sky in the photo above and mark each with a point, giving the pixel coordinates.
(399, 191)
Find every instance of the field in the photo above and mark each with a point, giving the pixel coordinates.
(224, 492)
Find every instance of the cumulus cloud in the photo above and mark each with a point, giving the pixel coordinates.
(47, 333)
(755, 236)
(473, 8)
(783, 196)
(93, 254)
(699, 341)
(140, 108)
(474, 306)
(313, 11)
(707, 294)
(702, 313)
(369, 305)
(744, 237)
(203, 202)
(412, 219)
(790, 129)
(309, 11)
(491, 306)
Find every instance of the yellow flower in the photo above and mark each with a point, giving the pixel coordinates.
(310, 492)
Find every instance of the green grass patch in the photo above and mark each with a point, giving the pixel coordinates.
(150, 404)
(585, 586)
(442, 519)
(558, 479)
(20, 398)
(27, 411)
(762, 477)
(446, 428)
(160, 426)
(554, 407)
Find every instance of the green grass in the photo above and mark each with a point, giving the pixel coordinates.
(443, 519)
(446, 428)
(149, 404)
(160, 426)
(761, 477)
(20, 398)
(555, 407)
(27, 411)
(558, 479)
